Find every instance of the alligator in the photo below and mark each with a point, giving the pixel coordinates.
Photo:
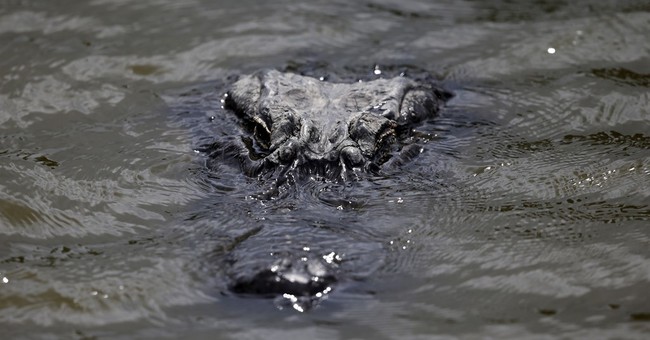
(296, 124)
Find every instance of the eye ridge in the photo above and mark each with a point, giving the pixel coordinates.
(262, 133)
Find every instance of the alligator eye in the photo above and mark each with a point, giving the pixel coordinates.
(262, 137)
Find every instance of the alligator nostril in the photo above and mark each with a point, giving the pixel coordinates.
(352, 156)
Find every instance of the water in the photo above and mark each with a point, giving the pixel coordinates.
(526, 215)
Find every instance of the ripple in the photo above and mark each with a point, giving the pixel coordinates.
(535, 282)
(526, 209)
(58, 205)
(50, 95)
(575, 41)
(511, 265)
(84, 295)
(28, 21)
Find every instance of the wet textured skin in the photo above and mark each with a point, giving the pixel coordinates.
(302, 123)
(327, 128)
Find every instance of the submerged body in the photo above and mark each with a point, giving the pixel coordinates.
(302, 124)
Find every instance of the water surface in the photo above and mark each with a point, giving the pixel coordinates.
(525, 216)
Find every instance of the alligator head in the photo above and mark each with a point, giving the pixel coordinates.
(304, 122)
(324, 128)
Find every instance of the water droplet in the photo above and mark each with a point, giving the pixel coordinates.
(550, 50)
(298, 307)
(290, 297)
(329, 258)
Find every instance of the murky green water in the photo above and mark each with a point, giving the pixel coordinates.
(526, 216)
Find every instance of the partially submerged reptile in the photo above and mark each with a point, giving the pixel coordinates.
(300, 124)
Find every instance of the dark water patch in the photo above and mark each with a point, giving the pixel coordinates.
(514, 11)
(26, 155)
(638, 140)
(547, 311)
(144, 70)
(398, 12)
(47, 162)
(18, 214)
(624, 76)
(643, 317)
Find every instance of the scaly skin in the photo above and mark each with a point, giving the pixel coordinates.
(300, 121)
